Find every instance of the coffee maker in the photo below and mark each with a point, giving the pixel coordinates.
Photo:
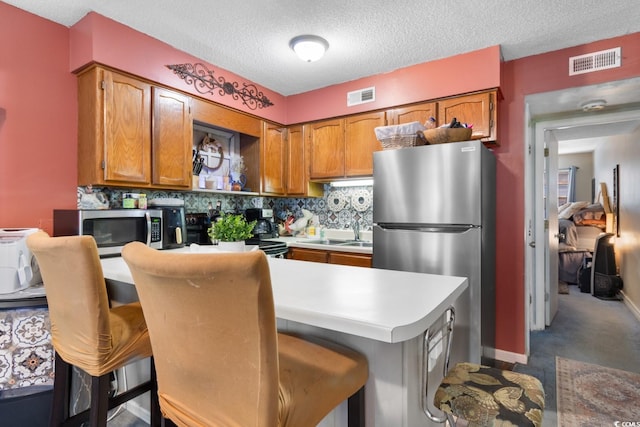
(265, 227)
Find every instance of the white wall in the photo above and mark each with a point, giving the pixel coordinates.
(624, 150)
(584, 174)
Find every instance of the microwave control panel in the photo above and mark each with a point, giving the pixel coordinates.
(156, 229)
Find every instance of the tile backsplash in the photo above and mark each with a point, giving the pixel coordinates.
(337, 209)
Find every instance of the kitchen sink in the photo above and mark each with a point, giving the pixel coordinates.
(323, 241)
(337, 242)
(361, 244)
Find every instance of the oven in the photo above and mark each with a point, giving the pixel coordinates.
(271, 248)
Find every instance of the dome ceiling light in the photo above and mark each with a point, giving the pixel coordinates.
(309, 48)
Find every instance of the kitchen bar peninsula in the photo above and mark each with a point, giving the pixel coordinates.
(381, 313)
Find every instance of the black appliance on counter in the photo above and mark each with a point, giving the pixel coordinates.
(174, 230)
(198, 228)
(265, 226)
(264, 230)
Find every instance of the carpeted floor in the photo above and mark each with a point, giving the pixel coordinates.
(589, 394)
(586, 329)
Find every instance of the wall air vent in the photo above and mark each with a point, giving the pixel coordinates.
(595, 61)
(361, 96)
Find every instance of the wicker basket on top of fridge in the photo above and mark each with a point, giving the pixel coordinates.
(400, 136)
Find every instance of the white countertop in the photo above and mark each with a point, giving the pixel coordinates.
(384, 305)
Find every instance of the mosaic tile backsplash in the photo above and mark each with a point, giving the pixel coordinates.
(337, 209)
(26, 353)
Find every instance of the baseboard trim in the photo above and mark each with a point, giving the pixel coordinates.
(506, 356)
(634, 308)
(135, 409)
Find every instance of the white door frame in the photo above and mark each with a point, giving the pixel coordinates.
(534, 271)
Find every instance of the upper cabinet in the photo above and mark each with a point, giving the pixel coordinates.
(273, 157)
(326, 148)
(343, 148)
(361, 142)
(413, 113)
(115, 117)
(478, 109)
(172, 139)
(284, 168)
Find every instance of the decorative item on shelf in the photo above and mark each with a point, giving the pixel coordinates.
(231, 228)
(203, 81)
(209, 144)
(238, 179)
(93, 200)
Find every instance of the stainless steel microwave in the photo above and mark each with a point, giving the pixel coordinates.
(111, 228)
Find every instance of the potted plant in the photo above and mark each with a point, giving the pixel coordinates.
(231, 230)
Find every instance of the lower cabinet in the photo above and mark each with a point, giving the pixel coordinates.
(330, 257)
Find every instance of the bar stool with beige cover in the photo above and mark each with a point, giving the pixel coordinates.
(219, 358)
(85, 331)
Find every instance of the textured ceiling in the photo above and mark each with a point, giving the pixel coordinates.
(366, 37)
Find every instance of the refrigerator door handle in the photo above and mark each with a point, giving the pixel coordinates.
(429, 228)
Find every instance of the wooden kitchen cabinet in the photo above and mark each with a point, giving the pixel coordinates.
(478, 109)
(413, 113)
(346, 258)
(326, 148)
(117, 128)
(284, 166)
(274, 159)
(172, 139)
(114, 129)
(343, 148)
(361, 143)
(330, 257)
(313, 255)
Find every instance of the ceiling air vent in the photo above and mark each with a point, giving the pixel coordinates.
(595, 61)
(361, 96)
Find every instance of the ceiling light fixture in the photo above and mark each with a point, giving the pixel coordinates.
(309, 48)
(593, 105)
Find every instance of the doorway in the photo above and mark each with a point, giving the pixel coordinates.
(570, 127)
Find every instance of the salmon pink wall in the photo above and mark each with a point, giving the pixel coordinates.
(436, 79)
(535, 74)
(37, 120)
(98, 39)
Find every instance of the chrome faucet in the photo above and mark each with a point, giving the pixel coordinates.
(356, 230)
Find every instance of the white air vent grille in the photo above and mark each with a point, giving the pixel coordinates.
(361, 96)
(595, 61)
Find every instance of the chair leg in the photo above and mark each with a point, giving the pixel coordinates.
(99, 400)
(61, 392)
(156, 414)
(450, 419)
(355, 406)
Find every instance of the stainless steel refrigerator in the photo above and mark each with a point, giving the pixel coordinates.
(434, 212)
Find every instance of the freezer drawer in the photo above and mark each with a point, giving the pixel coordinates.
(451, 252)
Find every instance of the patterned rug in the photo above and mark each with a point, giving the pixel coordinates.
(593, 395)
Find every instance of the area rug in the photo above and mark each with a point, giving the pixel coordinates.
(563, 287)
(593, 395)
